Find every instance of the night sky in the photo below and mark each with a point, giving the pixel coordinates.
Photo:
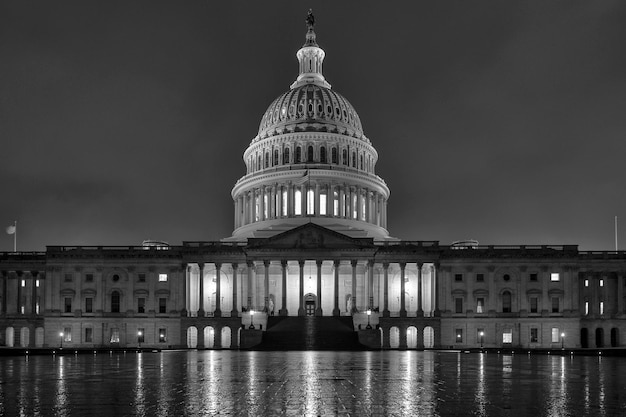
(501, 121)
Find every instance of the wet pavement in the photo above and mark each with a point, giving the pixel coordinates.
(311, 383)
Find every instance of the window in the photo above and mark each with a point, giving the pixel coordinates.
(533, 277)
(480, 335)
(533, 304)
(480, 277)
(458, 305)
(480, 305)
(555, 335)
(23, 283)
(309, 154)
(507, 336)
(298, 155)
(141, 277)
(458, 277)
(67, 334)
(162, 335)
(601, 283)
(141, 335)
(141, 305)
(459, 335)
(267, 160)
(506, 277)
(297, 203)
(601, 307)
(37, 303)
(284, 202)
(353, 159)
(335, 159)
(88, 305)
(68, 304)
(554, 276)
(586, 308)
(534, 335)
(68, 278)
(323, 203)
(162, 305)
(286, 156)
(586, 283)
(344, 157)
(88, 335)
(555, 304)
(116, 278)
(323, 155)
(162, 277)
(275, 160)
(506, 302)
(335, 203)
(37, 283)
(115, 302)
(310, 202)
(88, 277)
(115, 335)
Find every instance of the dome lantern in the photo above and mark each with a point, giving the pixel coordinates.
(310, 57)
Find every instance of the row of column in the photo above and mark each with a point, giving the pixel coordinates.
(21, 292)
(292, 200)
(301, 311)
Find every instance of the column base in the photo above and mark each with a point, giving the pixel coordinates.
(318, 312)
(283, 312)
(217, 313)
(201, 313)
(234, 313)
(402, 313)
(183, 313)
(420, 313)
(300, 312)
(386, 313)
(336, 312)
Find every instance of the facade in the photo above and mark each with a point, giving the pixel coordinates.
(310, 239)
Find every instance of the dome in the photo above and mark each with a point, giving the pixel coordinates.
(311, 108)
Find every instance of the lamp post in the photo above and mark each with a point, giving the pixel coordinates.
(139, 337)
(562, 340)
(61, 337)
(251, 320)
(482, 335)
(369, 326)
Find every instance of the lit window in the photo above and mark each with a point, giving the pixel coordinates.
(37, 283)
(586, 308)
(323, 204)
(601, 307)
(480, 302)
(555, 335)
(162, 335)
(459, 335)
(554, 276)
(266, 203)
(602, 283)
(534, 335)
(162, 277)
(297, 203)
(115, 335)
(586, 283)
(284, 208)
(23, 283)
(310, 202)
(354, 206)
(507, 336)
(141, 335)
(335, 203)
(67, 334)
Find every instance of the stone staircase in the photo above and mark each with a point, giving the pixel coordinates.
(310, 333)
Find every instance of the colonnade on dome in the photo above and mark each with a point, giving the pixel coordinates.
(311, 287)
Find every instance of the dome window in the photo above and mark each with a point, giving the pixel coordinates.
(361, 162)
(298, 158)
(267, 159)
(286, 156)
(319, 108)
(353, 159)
(309, 156)
(323, 155)
(329, 110)
(334, 156)
(345, 157)
(275, 160)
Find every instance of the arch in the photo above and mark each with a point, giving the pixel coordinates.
(394, 338)
(614, 337)
(584, 338)
(226, 337)
(286, 156)
(39, 339)
(9, 337)
(209, 337)
(192, 337)
(599, 337)
(24, 337)
(411, 337)
(429, 337)
(115, 302)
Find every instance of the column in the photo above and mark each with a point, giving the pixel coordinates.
(273, 202)
(266, 286)
(336, 311)
(342, 201)
(359, 203)
(386, 289)
(420, 308)
(235, 311)
(201, 312)
(370, 285)
(493, 297)
(283, 310)
(301, 290)
(279, 209)
(402, 291)
(250, 279)
(316, 208)
(354, 297)
(262, 195)
(620, 292)
(251, 207)
(545, 298)
(185, 295)
(33, 293)
(330, 195)
(318, 310)
(435, 276)
(218, 290)
(368, 211)
(289, 200)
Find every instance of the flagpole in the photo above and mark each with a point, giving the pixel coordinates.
(615, 233)
(15, 236)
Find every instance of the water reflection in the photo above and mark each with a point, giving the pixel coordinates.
(311, 383)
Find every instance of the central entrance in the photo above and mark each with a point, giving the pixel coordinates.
(310, 303)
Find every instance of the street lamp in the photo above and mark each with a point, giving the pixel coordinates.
(251, 320)
(369, 326)
(562, 340)
(139, 337)
(482, 334)
(61, 336)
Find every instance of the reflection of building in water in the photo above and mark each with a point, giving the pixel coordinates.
(310, 239)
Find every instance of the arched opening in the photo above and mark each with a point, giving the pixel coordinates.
(506, 302)
(115, 302)
(310, 304)
(286, 156)
(24, 337)
(309, 154)
(614, 337)
(209, 337)
(275, 160)
(298, 158)
(10, 337)
(344, 157)
(335, 159)
(411, 337)
(226, 336)
(39, 337)
(584, 337)
(429, 337)
(267, 159)
(323, 155)
(192, 337)
(600, 337)
(394, 338)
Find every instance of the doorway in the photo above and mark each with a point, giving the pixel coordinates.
(310, 302)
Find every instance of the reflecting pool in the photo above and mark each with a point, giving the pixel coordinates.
(407, 383)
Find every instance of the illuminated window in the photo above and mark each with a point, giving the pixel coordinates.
(586, 283)
(141, 335)
(162, 277)
(37, 283)
(586, 308)
(323, 203)
(363, 209)
(480, 305)
(115, 335)
(601, 283)
(310, 202)
(354, 206)
(507, 336)
(554, 276)
(555, 335)
(266, 206)
(335, 203)
(601, 307)
(67, 334)
(37, 303)
(534, 335)
(23, 283)
(257, 208)
(297, 209)
(459, 335)
(162, 335)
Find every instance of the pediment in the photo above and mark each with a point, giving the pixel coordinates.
(310, 236)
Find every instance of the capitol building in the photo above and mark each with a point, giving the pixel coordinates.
(310, 264)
